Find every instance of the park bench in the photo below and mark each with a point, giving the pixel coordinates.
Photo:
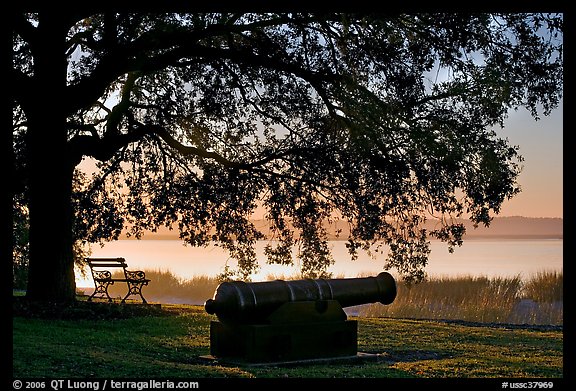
(103, 277)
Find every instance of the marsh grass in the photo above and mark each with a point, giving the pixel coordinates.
(166, 287)
(545, 287)
(536, 300)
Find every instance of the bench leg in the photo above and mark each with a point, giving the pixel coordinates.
(92, 295)
(102, 288)
(135, 288)
(139, 293)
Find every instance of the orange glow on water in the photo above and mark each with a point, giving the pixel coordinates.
(490, 257)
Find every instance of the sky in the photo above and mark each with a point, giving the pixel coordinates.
(541, 180)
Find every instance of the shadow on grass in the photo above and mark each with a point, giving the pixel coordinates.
(80, 309)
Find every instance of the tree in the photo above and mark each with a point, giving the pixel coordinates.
(196, 119)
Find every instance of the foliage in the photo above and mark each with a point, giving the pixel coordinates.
(198, 119)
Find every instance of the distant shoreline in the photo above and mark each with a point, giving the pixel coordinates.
(470, 237)
(513, 237)
(506, 228)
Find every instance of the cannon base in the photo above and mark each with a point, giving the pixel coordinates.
(359, 358)
(264, 343)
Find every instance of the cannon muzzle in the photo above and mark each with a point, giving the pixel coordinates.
(252, 302)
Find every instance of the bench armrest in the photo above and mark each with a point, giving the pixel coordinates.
(102, 274)
(137, 275)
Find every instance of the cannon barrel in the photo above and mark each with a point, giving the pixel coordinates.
(253, 302)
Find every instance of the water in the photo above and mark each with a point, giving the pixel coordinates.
(476, 257)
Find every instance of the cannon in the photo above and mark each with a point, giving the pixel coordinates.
(280, 320)
(254, 302)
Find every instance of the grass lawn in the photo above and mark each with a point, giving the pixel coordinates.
(101, 340)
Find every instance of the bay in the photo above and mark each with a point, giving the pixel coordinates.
(476, 257)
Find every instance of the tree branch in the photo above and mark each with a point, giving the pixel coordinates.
(185, 150)
(175, 46)
(101, 149)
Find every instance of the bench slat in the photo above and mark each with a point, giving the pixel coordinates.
(110, 260)
(106, 259)
(122, 279)
(109, 265)
(107, 262)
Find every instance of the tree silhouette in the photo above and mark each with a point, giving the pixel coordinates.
(196, 119)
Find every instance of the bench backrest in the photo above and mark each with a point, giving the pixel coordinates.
(106, 263)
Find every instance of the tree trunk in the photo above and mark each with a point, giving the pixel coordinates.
(50, 169)
(51, 267)
(8, 189)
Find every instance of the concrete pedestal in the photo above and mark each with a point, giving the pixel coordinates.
(284, 342)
